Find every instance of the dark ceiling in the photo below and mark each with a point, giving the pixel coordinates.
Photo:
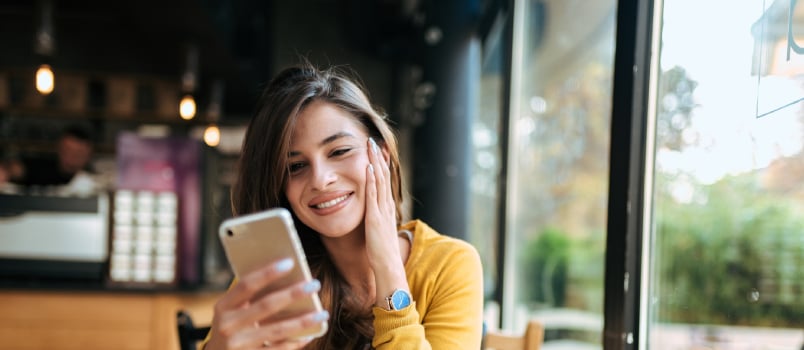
(151, 37)
(147, 37)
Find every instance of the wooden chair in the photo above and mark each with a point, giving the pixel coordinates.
(531, 340)
(189, 334)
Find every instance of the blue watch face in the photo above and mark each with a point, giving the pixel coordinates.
(400, 299)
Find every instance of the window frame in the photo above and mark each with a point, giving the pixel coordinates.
(628, 200)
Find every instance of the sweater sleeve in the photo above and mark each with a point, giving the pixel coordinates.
(453, 317)
(398, 329)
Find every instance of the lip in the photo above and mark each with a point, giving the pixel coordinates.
(328, 197)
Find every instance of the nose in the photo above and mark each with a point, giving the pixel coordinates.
(323, 175)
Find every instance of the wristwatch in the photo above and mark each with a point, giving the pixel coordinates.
(398, 300)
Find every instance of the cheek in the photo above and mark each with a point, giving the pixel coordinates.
(293, 191)
(360, 172)
(359, 169)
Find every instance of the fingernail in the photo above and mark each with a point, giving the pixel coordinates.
(374, 146)
(312, 286)
(321, 316)
(284, 265)
(371, 168)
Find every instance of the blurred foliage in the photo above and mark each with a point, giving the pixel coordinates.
(561, 190)
(547, 258)
(727, 253)
(732, 255)
(675, 107)
(563, 271)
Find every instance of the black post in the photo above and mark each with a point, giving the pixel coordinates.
(441, 142)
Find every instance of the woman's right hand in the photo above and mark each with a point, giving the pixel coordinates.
(239, 320)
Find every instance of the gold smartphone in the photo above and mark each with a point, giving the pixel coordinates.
(255, 240)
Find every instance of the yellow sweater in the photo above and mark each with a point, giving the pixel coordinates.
(446, 282)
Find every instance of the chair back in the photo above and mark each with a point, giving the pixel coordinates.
(531, 340)
(189, 334)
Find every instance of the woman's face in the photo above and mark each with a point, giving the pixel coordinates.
(327, 162)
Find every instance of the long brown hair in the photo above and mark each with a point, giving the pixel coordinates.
(263, 175)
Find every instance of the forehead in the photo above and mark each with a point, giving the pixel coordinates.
(320, 120)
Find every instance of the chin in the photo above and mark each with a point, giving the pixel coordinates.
(339, 228)
(335, 231)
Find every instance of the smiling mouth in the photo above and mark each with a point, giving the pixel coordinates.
(331, 203)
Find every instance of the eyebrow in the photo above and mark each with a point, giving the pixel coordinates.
(324, 142)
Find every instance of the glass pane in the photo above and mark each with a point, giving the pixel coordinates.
(560, 163)
(727, 262)
(486, 167)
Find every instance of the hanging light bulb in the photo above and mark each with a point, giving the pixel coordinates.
(187, 107)
(212, 135)
(45, 46)
(189, 79)
(45, 82)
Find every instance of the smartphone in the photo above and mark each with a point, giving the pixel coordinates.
(255, 240)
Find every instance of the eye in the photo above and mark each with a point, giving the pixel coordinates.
(340, 152)
(296, 167)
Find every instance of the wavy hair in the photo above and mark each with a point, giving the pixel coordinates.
(263, 175)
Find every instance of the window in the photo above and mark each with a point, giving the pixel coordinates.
(727, 226)
(558, 168)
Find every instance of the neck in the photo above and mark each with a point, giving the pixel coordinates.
(348, 253)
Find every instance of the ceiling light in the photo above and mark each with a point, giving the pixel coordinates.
(212, 135)
(189, 80)
(187, 107)
(44, 46)
(44, 80)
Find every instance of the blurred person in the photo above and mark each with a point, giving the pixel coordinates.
(72, 156)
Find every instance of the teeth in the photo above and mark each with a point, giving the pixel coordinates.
(328, 204)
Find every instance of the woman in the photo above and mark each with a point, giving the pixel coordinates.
(317, 147)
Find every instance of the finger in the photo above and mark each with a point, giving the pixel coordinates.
(379, 172)
(249, 285)
(371, 184)
(277, 333)
(286, 345)
(271, 304)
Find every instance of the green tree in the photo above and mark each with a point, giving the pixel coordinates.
(547, 258)
(675, 106)
(718, 253)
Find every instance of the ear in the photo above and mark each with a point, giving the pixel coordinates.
(385, 154)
